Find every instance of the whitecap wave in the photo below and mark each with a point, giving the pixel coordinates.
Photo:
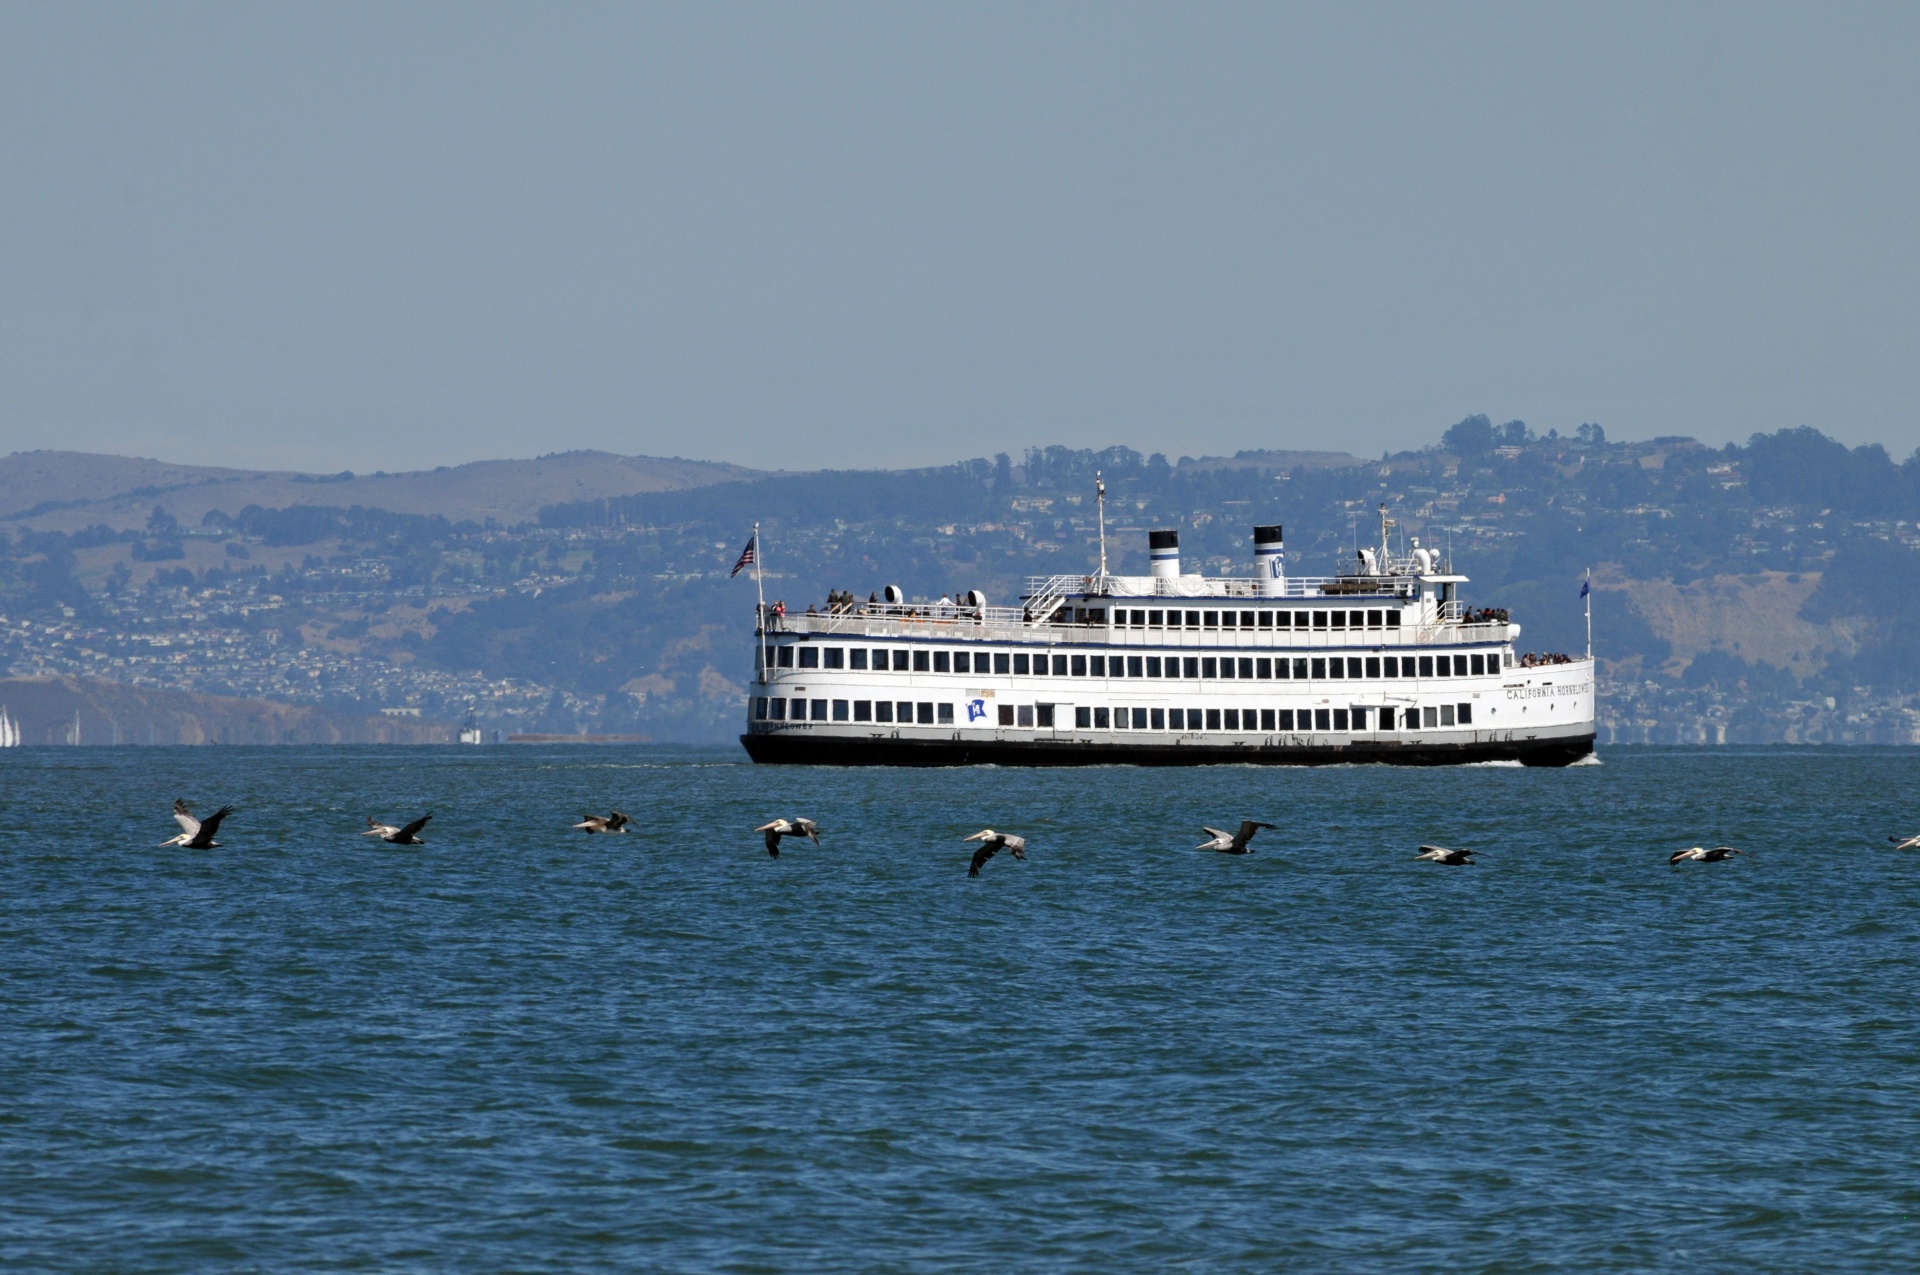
(1502, 762)
(1591, 759)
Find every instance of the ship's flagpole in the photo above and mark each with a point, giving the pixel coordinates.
(1100, 500)
(1586, 595)
(760, 588)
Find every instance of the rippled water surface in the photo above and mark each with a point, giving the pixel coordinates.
(523, 1048)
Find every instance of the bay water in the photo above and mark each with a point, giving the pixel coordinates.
(523, 1048)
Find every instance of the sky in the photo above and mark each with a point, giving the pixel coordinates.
(393, 236)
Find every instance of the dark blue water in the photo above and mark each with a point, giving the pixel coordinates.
(521, 1048)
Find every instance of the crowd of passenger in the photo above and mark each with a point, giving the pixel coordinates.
(1488, 615)
(1531, 660)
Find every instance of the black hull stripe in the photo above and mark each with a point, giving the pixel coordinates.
(802, 750)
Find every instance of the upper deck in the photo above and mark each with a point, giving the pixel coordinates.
(1188, 610)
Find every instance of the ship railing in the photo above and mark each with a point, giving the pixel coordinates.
(896, 617)
(1121, 588)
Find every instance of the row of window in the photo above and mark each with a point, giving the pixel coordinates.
(1085, 717)
(1245, 667)
(1125, 618)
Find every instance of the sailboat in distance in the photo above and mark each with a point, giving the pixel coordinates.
(9, 730)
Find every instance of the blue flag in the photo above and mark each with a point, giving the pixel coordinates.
(1586, 587)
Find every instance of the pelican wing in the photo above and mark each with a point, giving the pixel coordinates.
(809, 827)
(773, 839)
(413, 829)
(184, 817)
(1250, 826)
(1216, 834)
(981, 855)
(209, 826)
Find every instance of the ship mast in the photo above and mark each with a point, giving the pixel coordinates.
(1100, 505)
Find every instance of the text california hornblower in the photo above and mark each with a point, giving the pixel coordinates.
(1379, 664)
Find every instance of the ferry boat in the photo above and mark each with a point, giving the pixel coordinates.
(1380, 663)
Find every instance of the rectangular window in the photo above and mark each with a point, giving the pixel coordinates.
(922, 662)
(1043, 713)
(1264, 669)
(1443, 665)
(883, 710)
(1006, 714)
(783, 656)
(1336, 667)
(1232, 716)
(1097, 616)
(1139, 619)
(809, 657)
(1176, 719)
(1465, 714)
(1300, 670)
(924, 716)
(1459, 666)
(1153, 666)
(1319, 668)
(944, 713)
(1360, 718)
(863, 710)
(1339, 719)
(1373, 666)
(1213, 718)
(835, 657)
(1246, 667)
(1373, 619)
(840, 708)
(1020, 663)
(1211, 619)
(941, 663)
(1082, 718)
(1133, 666)
(963, 662)
(1426, 666)
(1229, 619)
(1446, 714)
(1102, 719)
(1429, 717)
(1319, 619)
(1355, 619)
(1283, 668)
(901, 660)
(1393, 619)
(880, 661)
(1097, 665)
(1476, 664)
(1193, 619)
(1266, 719)
(1393, 666)
(1059, 665)
(778, 709)
(1079, 666)
(1156, 718)
(1322, 719)
(1139, 718)
(1023, 715)
(1119, 718)
(903, 709)
(1339, 619)
(857, 657)
(760, 708)
(1209, 668)
(1000, 662)
(1246, 619)
(819, 710)
(1157, 619)
(1283, 619)
(1386, 719)
(1286, 719)
(1266, 619)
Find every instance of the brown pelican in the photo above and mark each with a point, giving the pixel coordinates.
(1698, 855)
(1232, 842)
(615, 822)
(788, 828)
(1911, 843)
(991, 843)
(196, 834)
(407, 836)
(1440, 854)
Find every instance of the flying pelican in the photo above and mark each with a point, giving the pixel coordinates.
(1440, 854)
(1232, 842)
(991, 843)
(615, 822)
(1698, 855)
(407, 836)
(788, 828)
(196, 834)
(1911, 843)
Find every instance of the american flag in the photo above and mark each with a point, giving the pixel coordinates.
(746, 558)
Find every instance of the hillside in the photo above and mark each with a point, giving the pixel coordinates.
(53, 710)
(69, 491)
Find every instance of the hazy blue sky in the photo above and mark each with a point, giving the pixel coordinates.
(389, 236)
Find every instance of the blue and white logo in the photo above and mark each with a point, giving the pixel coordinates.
(976, 709)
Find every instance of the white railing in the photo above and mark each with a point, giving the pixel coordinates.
(1121, 587)
(974, 624)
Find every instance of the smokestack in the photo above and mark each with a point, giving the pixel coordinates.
(1270, 560)
(1163, 549)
